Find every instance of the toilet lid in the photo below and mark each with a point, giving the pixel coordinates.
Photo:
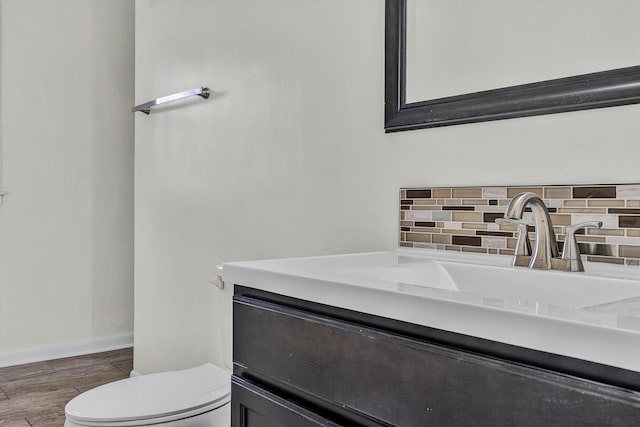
(167, 395)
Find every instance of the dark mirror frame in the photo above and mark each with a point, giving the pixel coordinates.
(596, 90)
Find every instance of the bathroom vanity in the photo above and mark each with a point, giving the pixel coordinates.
(405, 338)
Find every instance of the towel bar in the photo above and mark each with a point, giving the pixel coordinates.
(146, 107)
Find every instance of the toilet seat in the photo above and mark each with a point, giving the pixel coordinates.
(152, 399)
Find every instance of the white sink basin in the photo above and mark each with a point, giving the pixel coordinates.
(507, 285)
(593, 315)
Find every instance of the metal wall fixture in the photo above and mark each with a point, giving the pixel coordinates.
(146, 107)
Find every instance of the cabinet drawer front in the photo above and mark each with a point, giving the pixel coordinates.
(253, 406)
(405, 382)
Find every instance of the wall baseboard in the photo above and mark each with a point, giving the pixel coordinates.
(65, 349)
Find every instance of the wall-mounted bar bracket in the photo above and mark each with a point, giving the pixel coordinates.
(146, 107)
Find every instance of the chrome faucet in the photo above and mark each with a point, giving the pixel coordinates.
(546, 247)
(571, 251)
(545, 253)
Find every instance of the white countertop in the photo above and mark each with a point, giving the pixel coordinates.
(593, 316)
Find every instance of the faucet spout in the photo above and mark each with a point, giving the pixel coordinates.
(546, 247)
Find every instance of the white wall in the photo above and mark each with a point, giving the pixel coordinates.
(66, 223)
(288, 157)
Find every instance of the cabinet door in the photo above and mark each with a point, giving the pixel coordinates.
(252, 406)
(346, 368)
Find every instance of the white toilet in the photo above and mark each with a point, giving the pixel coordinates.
(196, 397)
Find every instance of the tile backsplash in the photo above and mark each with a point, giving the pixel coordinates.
(463, 219)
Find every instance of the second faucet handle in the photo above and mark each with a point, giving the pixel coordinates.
(523, 244)
(570, 250)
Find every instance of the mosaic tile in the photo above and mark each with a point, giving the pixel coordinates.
(475, 226)
(491, 217)
(489, 208)
(474, 249)
(418, 237)
(442, 193)
(424, 229)
(553, 203)
(463, 218)
(629, 221)
(494, 242)
(466, 240)
(467, 216)
(418, 194)
(494, 233)
(557, 193)
(458, 231)
(626, 211)
(514, 191)
(425, 208)
(582, 238)
(629, 251)
(624, 240)
(595, 211)
(458, 208)
(506, 227)
(558, 219)
(628, 191)
(442, 238)
(610, 260)
(609, 203)
(418, 215)
(494, 192)
(595, 192)
(606, 232)
(425, 224)
(469, 193)
(441, 216)
(475, 202)
(453, 225)
(425, 202)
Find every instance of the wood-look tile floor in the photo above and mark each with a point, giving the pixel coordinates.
(35, 394)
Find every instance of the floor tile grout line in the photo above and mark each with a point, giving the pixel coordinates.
(5, 393)
(53, 368)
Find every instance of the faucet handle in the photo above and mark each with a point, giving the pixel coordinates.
(523, 245)
(571, 251)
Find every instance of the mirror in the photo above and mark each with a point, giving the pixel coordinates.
(495, 77)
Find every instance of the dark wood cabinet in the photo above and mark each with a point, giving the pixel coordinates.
(253, 406)
(297, 363)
